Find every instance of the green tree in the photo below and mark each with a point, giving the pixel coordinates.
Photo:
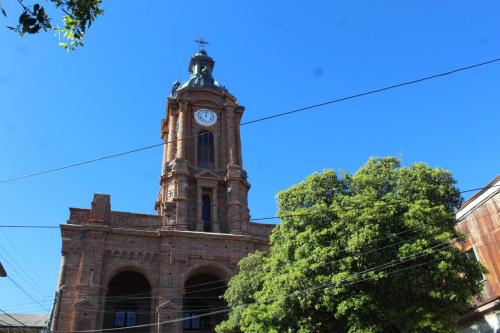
(368, 252)
(77, 16)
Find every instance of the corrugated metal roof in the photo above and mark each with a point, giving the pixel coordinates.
(30, 320)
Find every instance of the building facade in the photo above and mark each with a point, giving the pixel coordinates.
(479, 219)
(123, 269)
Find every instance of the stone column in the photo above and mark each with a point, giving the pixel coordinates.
(238, 139)
(214, 211)
(199, 220)
(182, 130)
(73, 256)
(170, 144)
(59, 293)
(181, 200)
(230, 136)
(87, 316)
(169, 294)
(234, 206)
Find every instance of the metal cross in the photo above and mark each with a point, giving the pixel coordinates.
(201, 42)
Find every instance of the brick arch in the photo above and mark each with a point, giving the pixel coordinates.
(117, 269)
(203, 287)
(220, 271)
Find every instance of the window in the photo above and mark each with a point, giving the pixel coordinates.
(472, 255)
(206, 150)
(196, 323)
(206, 213)
(124, 318)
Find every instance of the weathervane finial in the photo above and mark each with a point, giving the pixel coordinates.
(201, 42)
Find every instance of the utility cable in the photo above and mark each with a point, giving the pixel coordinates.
(228, 309)
(37, 281)
(282, 114)
(26, 293)
(371, 251)
(393, 263)
(8, 315)
(277, 217)
(127, 297)
(20, 270)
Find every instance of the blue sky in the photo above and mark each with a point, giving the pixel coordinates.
(58, 108)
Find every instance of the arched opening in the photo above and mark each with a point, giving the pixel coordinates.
(206, 213)
(206, 150)
(203, 294)
(128, 302)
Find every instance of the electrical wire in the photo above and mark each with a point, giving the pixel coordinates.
(37, 281)
(273, 116)
(14, 265)
(127, 297)
(26, 293)
(393, 263)
(296, 293)
(8, 315)
(277, 217)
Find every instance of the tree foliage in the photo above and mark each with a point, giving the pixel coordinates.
(375, 251)
(78, 16)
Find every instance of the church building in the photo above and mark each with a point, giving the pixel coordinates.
(161, 272)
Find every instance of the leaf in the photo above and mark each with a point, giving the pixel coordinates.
(4, 12)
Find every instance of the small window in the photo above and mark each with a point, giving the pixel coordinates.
(124, 318)
(206, 150)
(131, 320)
(196, 323)
(206, 213)
(120, 319)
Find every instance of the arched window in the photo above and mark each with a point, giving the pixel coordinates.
(206, 150)
(123, 307)
(206, 213)
(198, 300)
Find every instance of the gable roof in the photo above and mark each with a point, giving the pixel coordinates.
(492, 188)
(30, 320)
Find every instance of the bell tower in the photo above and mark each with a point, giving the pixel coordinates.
(203, 186)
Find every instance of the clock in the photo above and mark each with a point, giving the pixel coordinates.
(205, 117)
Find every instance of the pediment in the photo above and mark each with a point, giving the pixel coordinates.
(84, 303)
(208, 174)
(168, 306)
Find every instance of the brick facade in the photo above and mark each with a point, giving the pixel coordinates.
(104, 252)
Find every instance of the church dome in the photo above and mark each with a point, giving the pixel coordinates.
(200, 70)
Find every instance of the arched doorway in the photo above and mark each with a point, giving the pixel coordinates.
(202, 294)
(128, 302)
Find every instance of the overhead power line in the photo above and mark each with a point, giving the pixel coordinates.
(277, 115)
(28, 294)
(239, 220)
(343, 282)
(37, 281)
(434, 248)
(15, 266)
(8, 315)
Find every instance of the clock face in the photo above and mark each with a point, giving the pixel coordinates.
(205, 117)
